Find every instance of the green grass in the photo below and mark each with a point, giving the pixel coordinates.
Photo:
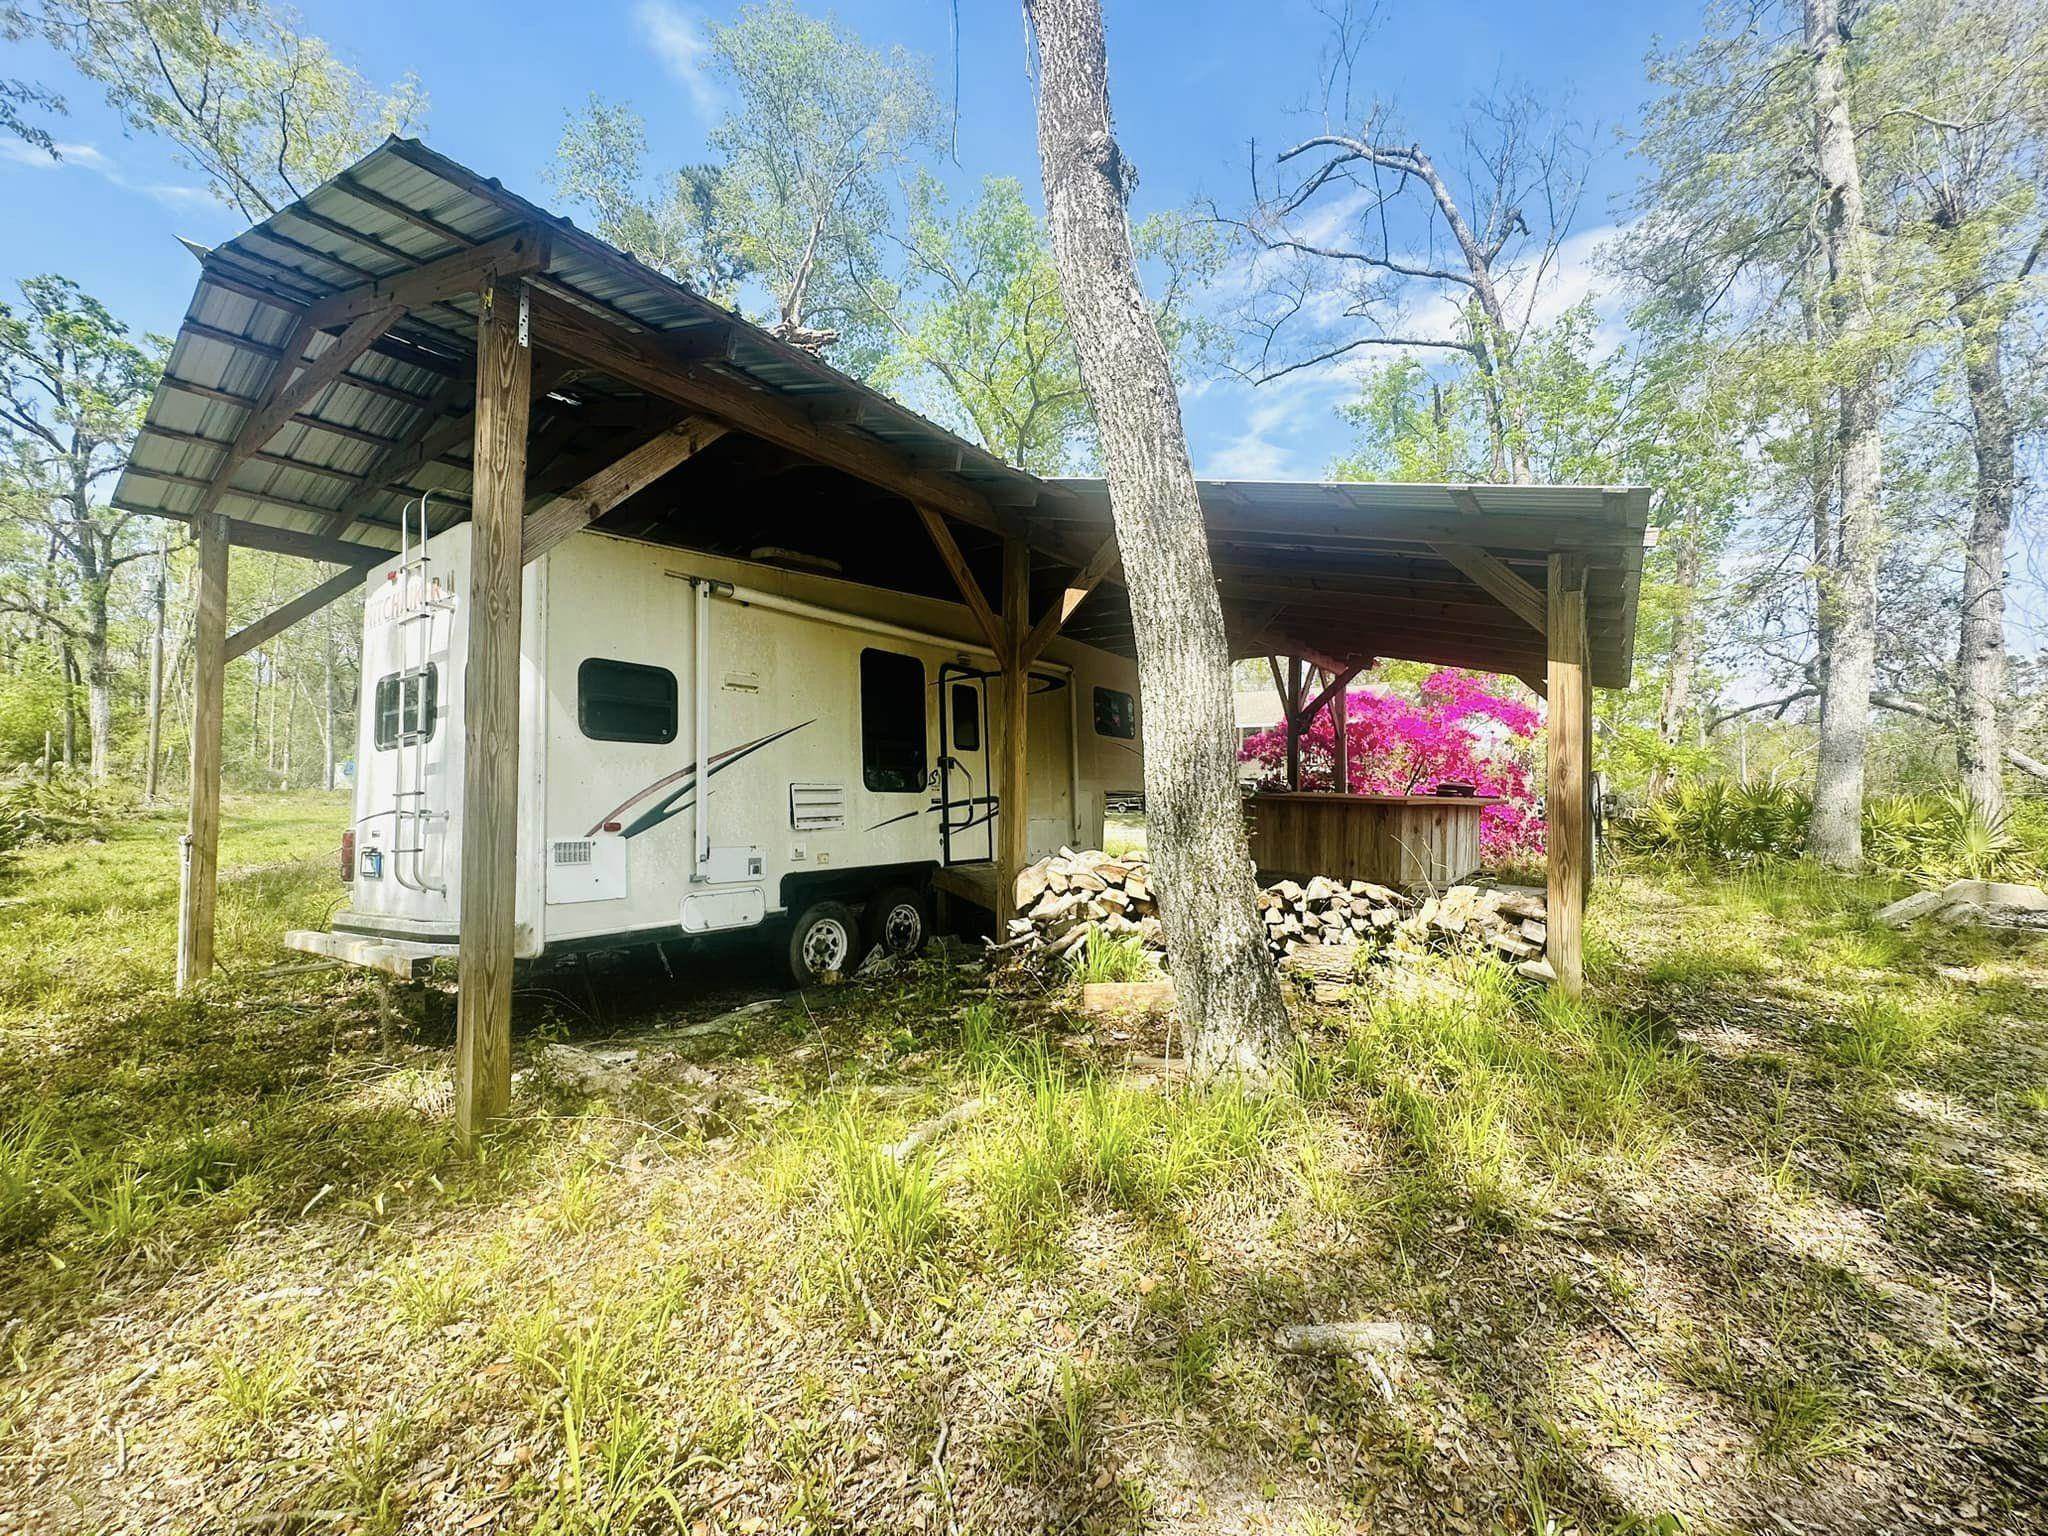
(1720, 1237)
(1114, 957)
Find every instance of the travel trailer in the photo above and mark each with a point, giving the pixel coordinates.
(707, 746)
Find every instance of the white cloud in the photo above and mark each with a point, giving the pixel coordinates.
(88, 157)
(1286, 426)
(677, 38)
(20, 152)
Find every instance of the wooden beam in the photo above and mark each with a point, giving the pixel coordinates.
(1086, 580)
(294, 388)
(1339, 681)
(1340, 728)
(1536, 683)
(1494, 577)
(626, 476)
(522, 250)
(283, 617)
(199, 868)
(645, 360)
(996, 633)
(1566, 800)
(1013, 819)
(1294, 687)
(490, 825)
(398, 210)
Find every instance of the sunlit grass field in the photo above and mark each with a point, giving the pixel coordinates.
(1749, 1239)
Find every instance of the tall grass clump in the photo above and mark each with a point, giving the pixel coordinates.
(1062, 1136)
(1113, 957)
(1493, 1089)
(889, 1210)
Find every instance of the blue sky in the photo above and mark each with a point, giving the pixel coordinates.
(1194, 84)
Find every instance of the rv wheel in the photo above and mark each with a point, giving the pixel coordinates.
(894, 921)
(825, 938)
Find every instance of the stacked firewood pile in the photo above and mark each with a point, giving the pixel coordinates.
(1071, 896)
(1068, 899)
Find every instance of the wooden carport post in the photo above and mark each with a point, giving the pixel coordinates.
(1569, 735)
(199, 868)
(490, 780)
(1014, 807)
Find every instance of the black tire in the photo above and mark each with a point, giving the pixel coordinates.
(825, 937)
(896, 920)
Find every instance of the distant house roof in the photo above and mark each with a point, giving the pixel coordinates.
(816, 460)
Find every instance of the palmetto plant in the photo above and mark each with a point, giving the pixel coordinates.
(1934, 836)
(1942, 836)
(1713, 821)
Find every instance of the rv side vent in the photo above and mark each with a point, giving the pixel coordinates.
(816, 807)
(576, 851)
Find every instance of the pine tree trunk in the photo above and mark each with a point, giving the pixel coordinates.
(1228, 991)
(1980, 644)
(1835, 835)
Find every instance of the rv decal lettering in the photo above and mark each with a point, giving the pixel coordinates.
(404, 596)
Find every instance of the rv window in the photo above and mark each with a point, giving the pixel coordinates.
(406, 706)
(624, 701)
(966, 713)
(891, 722)
(1115, 715)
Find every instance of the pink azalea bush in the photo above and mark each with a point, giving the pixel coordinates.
(1454, 730)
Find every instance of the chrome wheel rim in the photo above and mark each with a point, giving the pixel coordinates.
(826, 946)
(901, 928)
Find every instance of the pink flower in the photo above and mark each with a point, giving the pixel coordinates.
(1455, 730)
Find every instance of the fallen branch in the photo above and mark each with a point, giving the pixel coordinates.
(1383, 1336)
(922, 1136)
(1898, 704)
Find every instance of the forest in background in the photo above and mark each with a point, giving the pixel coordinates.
(1817, 338)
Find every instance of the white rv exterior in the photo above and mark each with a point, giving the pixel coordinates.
(846, 734)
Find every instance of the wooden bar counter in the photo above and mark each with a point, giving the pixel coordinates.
(1398, 840)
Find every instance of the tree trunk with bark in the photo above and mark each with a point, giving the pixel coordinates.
(1675, 704)
(1835, 836)
(1980, 643)
(1229, 994)
(153, 747)
(70, 707)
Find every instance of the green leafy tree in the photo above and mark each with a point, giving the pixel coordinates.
(821, 126)
(263, 110)
(669, 222)
(73, 387)
(19, 97)
(981, 335)
(982, 341)
(1957, 125)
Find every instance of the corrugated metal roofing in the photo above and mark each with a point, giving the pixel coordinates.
(403, 205)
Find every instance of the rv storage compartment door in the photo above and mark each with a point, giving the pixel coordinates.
(586, 869)
(707, 911)
(730, 863)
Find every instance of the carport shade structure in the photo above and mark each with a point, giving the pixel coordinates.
(411, 326)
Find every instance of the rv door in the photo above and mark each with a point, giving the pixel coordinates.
(967, 804)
